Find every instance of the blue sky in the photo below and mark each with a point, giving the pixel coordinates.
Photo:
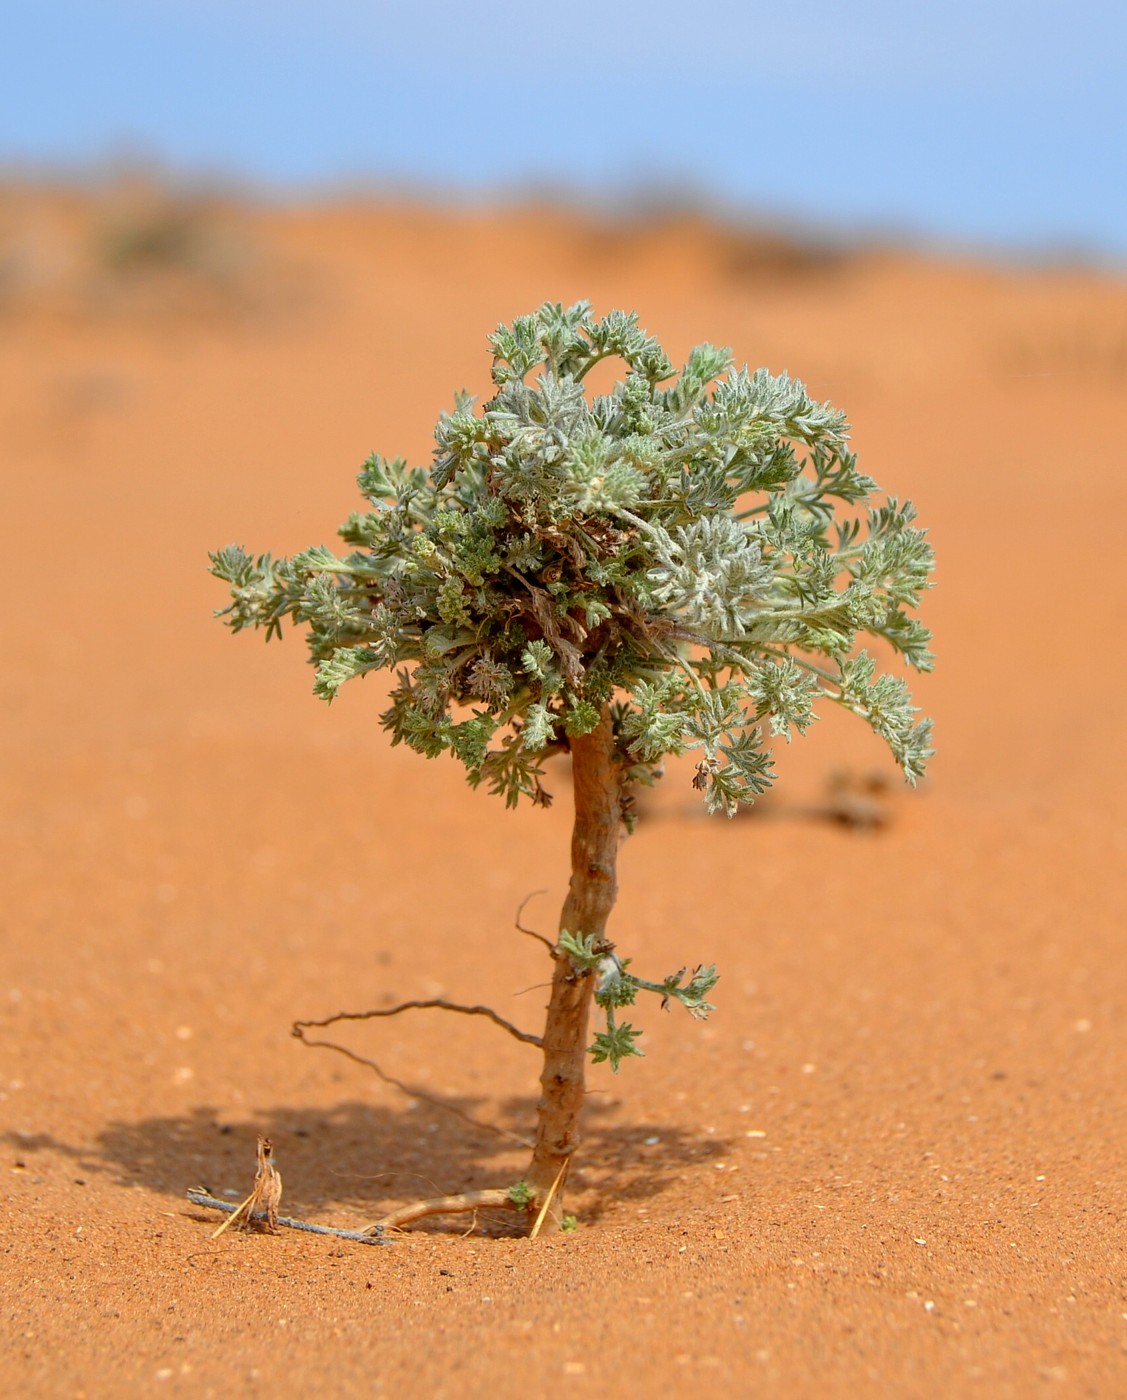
(998, 123)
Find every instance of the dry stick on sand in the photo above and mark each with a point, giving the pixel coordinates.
(261, 1206)
(199, 1197)
(260, 1209)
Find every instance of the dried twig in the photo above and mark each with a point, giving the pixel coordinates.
(439, 1004)
(412, 1091)
(432, 1004)
(199, 1197)
(549, 1198)
(261, 1206)
(547, 942)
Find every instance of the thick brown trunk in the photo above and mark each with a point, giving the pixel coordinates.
(596, 778)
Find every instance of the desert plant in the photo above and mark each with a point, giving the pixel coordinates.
(683, 563)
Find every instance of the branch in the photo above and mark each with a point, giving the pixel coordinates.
(199, 1197)
(547, 942)
(409, 1089)
(434, 1003)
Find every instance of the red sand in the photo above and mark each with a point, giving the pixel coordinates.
(893, 1163)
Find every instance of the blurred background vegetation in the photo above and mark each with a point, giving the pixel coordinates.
(996, 125)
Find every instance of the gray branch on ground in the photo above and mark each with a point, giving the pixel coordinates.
(493, 1199)
(372, 1235)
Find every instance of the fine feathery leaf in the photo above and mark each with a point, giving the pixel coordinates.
(615, 1044)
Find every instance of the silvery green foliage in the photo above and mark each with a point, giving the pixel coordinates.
(697, 548)
(617, 986)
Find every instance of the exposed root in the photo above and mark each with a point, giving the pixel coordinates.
(531, 932)
(494, 1199)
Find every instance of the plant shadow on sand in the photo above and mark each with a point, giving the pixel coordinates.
(350, 1164)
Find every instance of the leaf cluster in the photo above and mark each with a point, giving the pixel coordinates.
(696, 549)
(617, 986)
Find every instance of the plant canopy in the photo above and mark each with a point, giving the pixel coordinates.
(696, 550)
(686, 563)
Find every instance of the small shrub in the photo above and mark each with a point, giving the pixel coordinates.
(683, 564)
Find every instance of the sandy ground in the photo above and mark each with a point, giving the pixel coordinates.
(894, 1162)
